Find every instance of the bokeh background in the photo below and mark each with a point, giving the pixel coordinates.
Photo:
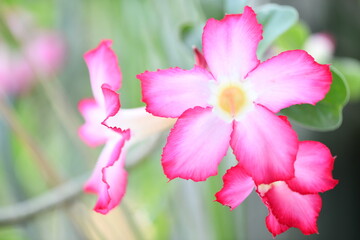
(43, 163)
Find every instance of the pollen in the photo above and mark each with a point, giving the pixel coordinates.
(232, 100)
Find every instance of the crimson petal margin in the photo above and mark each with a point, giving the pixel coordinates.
(196, 145)
(294, 209)
(274, 226)
(313, 169)
(237, 187)
(103, 67)
(109, 177)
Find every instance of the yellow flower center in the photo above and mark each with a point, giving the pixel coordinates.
(232, 99)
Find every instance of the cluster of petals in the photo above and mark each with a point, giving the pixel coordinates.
(292, 203)
(230, 98)
(40, 52)
(105, 123)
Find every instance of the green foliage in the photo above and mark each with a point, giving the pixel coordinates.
(276, 20)
(326, 115)
(294, 38)
(351, 69)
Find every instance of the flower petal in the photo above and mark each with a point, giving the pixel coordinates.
(199, 59)
(170, 92)
(141, 123)
(265, 146)
(313, 169)
(294, 209)
(92, 132)
(109, 178)
(196, 145)
(274, 226)
(230, 45)
(292, 77)
(237, 186)
(112, 102)
(103, 68)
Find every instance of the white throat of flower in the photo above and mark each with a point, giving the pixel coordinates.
(232, 100)
(142, 124)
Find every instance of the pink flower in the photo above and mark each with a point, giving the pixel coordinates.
(107, 124)
(292, 203)
(321, 46)
(40, 52)
(233, 103)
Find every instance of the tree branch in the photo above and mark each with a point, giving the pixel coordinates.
(65, 193)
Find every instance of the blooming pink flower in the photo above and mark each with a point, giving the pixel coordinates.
(233, 103)
(107, 124)
(292, 203)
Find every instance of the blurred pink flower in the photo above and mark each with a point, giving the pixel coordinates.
(321, 46)
(292, 203)
(230, 98)
(107, 124)
(40, 52)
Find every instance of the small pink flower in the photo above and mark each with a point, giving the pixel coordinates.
(233, 103)
(292, 203)
(107, 124)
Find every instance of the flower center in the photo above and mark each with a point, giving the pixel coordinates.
(232, 100)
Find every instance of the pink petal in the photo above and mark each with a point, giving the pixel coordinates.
(313, 169)
(170, 92)
(237, 186)
(46, 51)
(112, 102)
(109, 178)
(230, 45)
(196, 145)
(103, 68)
(290, 78)
(265, 146)
(199, 58)
(274, 226)
(92, 132)
(294, 209)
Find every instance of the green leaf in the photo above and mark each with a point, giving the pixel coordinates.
(191, 34)
(276, 20)
(235, 6)
(327, 114)
(294, 38)
(351, 69)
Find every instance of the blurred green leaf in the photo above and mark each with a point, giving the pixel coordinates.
(294, 38)
(351, 69)
(213, 8)
(191, 34)
(235, 6)
(276, 20)
(327, 114)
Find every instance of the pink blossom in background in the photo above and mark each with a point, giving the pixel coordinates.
(231, 98)
(41, 52)
(321, 46)
(292, 203)
(106, 123)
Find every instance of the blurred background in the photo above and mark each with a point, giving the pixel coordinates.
(43, 163)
